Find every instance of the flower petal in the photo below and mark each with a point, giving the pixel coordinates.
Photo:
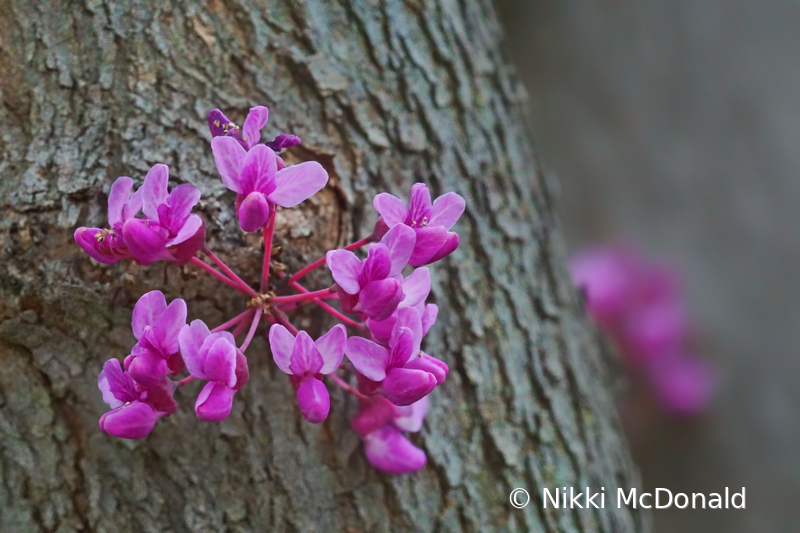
(181, 201)
(133, 421)
(429, 317)
(408, 318)
(169, 325)
(429, 241)
(391, 208)
(416, 287)
(146, 242)
(281, 342)
(191, 338)
(118, 384)
(345, 268)
(87, 239)
(428, 363)
(331, 348)
(154, 190)
(402, 347)
(413, 416)
(215, 400)
(313, 399)
(305, 356)
(373, 415)
(376, 266)
(216, 121)
(368, 358)
(253, 212)
(258, 170)
(379, 299)
(450, 246)
(419, 205)
(220, 363)
(390, 451)
(117, 198)
(229, 157)
(298, 183)
(446, 211)
(146, 311)
(147, 368)
(400, 240)
(253, 124)
(404, 386)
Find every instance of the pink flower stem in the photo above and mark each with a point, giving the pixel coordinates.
(185, 381)
(244, 286)
(253, 328)
(232, 322)
(281, 317)
(339, 381)
(324, 293)
(326, 307)
(217, 274)
(239, 328)
(321, 261)
(269, 232)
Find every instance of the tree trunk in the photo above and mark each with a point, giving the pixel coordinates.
(383, 94)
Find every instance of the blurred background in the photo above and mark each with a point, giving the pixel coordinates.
(674, 126)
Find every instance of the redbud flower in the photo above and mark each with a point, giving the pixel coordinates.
(135, 409)
(106, 245)
(416, 288)
(430, 222)
(380, 424)
(250, 134)
(284, 140)
(213, 357)
(170, 231)
(305, 360)
(684, 384)
(371, 286)
(255, 177)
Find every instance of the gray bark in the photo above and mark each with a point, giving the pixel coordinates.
(382, 94)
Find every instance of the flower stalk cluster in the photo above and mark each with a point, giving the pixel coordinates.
(382, 313)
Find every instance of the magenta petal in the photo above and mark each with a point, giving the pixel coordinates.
(242, 371)
(404, 386)
(429, 364)
(373, 415)
(147, 368)
(253, 212)
(450, 246)
(416, 287)
(376, 266)
(400, 242)
(331, 348)
(191, 338)
(220, 363)
(298, 183)
(408, 318)
(117, 198)
(155, 190)
(87, 239)
(419, 205)
(412, 416)
(169, 325)
(183, 252)
(116, 386)
(391, 208)
(253, 124)
(305, 356)
(447, 209)
(160, 396)
(146, 311)
(379, 299)
(313, 399)
(429, 241)
(283, 140)
(368, 358)
(181, 201)
(381, 330)
(683, 385)
(390, 451)
(281, 342)
(146, 241)
(402, 348)
(429, 317)
(133, 421)
(345, 269)
(188, 230)
(229, 157)
(258, 171)
(214, 402)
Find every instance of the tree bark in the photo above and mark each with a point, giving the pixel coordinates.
(383, 94)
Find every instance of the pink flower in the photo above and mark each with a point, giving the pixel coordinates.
(156, 326)
(107, 245)
(380, 424)
(255, 177)
(306, 361)
(373, 286)
(135, 409)
(213, 357)
(416, 288)
(684, 385)
(398, 371)
(169, 230)
(430, 222)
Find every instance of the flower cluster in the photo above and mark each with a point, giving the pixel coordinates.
(642, 307)
(383, 342)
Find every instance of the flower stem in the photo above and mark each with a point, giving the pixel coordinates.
(305, 295)
(281, 318)
(232, 322)
(217, 274)
(325, 306)
(252, 332)
(321, 261)
(269, 232)
(244, 286)
(339, 381)
(185, 381)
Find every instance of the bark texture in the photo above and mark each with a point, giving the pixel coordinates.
(383, 94)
